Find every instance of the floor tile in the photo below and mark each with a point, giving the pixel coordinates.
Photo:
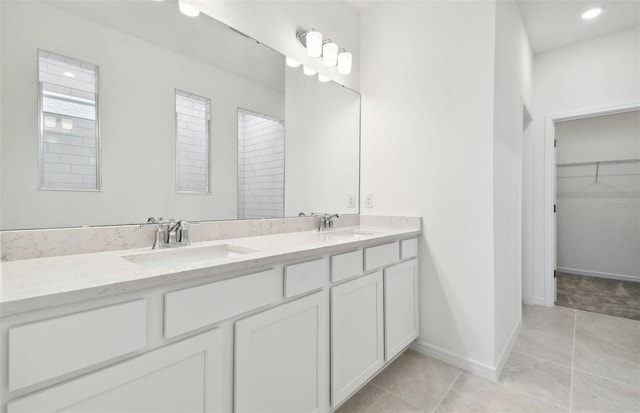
(608, 346)
(374, 399)
(595, 394)
(547, 333)
(542, 379)
(475, 394)
(418, 379)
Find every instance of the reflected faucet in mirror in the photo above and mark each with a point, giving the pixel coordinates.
(170, 234)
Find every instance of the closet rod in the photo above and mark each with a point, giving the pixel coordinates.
(598, 162)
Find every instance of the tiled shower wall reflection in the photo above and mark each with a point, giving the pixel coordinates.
(193, 114)
(260, 166)
(69, 139)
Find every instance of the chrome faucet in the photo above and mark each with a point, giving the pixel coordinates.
(326, 221)
(171, 234)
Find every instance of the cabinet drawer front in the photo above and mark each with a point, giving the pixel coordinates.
(51, 348)
(307, 276)
(346, 265)
(409, 248)
(376, 257)
(197, 307)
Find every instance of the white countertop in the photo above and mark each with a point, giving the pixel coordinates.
(31, 284)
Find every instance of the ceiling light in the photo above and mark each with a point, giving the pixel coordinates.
(187, 9)
(67, 124)
(591, 13)
(69, 74)
(330, 53)
(308, 72)
(292, 63)
(344, 62)
(323, 79)
(314, 43)
(50, 121)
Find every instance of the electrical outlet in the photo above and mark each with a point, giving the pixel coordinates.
(351, 200)
(368, 201)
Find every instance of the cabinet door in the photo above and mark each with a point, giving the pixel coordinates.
(356, 334)
(401, 307)
(281, 358)
(181, 377)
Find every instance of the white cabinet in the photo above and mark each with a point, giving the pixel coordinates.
(356, 334)
(401, 307)
(281, 358)
(181, 377)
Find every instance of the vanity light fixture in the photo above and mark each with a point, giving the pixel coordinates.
(292, 63)
(50, 121)
(187, 9)
(345, 60)
(67, 124)
(591, 13)
(323, 79)
(330, 53)
(307, 71)
(312, 41)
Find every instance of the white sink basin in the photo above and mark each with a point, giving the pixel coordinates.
(187, 255)
(345, 234)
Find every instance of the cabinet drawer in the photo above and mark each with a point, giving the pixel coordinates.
(197, 307)
(47, 349)
(409, 248)
(346, 265)
(381, 255)
(307, 276)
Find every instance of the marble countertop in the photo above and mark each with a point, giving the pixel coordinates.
(32, 284)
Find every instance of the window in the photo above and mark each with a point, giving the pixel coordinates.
(69, 137)
(193, 115)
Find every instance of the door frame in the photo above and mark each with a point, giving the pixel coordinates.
(550, 185)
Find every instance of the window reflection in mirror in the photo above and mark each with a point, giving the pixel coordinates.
(69, 137)
(193, 116)
(260, 166)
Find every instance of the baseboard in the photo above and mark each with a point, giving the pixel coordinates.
(610, 276)
(504, 355)
(475, 367)
(537, 301)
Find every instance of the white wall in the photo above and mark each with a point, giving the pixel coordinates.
(322, 145)
(598, 223)
(513, 72)
(137, 123)
(593, 74)
(427, 81)
(275, 23)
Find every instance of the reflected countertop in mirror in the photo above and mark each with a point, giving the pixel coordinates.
(271, 143)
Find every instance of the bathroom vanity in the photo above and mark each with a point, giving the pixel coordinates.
(293, 322)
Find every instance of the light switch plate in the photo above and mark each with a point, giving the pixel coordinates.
(351, 200)
(368, 201)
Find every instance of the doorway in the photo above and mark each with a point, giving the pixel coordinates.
(597, 213)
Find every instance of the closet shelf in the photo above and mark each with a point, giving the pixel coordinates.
(598, 162)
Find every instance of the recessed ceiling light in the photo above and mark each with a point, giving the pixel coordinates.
(591, 13)
(187, 9)
(69, 74)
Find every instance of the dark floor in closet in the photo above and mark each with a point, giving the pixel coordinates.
(600, 295)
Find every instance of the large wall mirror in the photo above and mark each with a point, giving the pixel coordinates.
(116, 111)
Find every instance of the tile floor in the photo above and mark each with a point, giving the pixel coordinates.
(564, 360)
